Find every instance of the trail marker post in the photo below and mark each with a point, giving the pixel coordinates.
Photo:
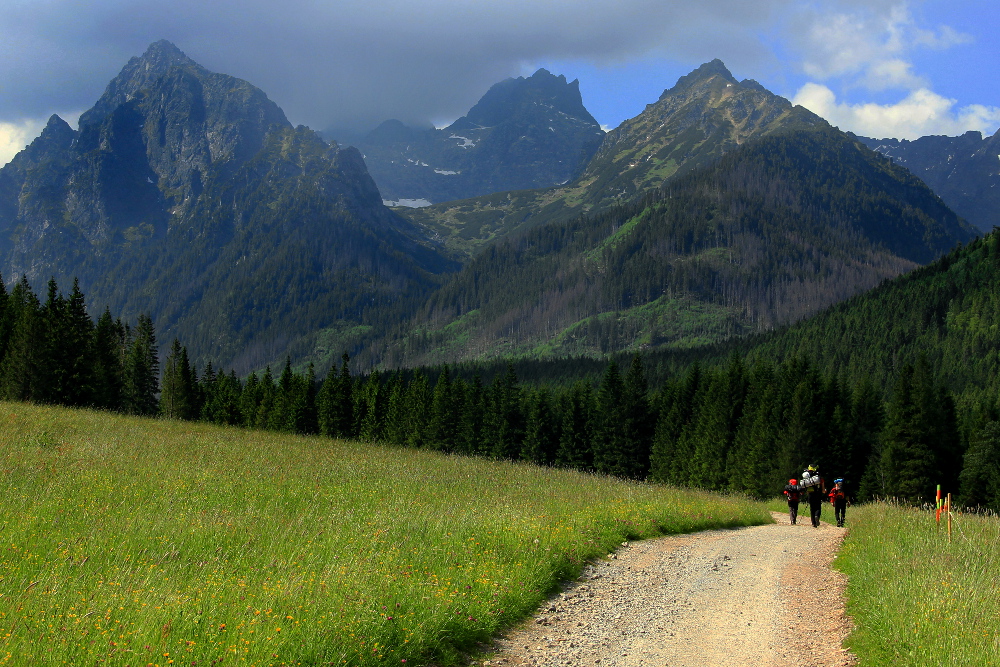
(948, 510)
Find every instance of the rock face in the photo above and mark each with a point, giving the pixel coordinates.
(964, 171)
(187, 194)
(524, 133)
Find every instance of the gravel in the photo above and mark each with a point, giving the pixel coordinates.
(762, 596)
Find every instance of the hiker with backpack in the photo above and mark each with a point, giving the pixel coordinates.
(793, 494)
(838, 498)
(815, 490)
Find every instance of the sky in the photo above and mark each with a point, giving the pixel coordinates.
(879, 68)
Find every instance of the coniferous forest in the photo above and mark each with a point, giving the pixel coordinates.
(739, 426)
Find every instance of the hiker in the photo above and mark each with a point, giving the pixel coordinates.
(838, 498)
(815, 491)
(794, 494)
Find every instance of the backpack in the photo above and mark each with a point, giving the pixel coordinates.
(838, 494)
(792, 492)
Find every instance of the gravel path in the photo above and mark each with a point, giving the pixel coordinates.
(762, 596)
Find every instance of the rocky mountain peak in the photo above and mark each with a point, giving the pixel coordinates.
(700, 76)
(508, 97)
(138, 74)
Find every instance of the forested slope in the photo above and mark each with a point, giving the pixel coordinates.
(772, 233)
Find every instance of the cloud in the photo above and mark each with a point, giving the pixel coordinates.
(355, 63)
(920, 113)
(15, 136)
(867, 46)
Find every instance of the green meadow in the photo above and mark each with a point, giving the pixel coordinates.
(916, 598)
(129, 541)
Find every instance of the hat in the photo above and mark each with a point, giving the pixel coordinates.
(792, 481)
(838, 480)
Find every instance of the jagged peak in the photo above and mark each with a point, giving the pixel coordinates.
(138, 73)
(165, 53)
(703, 73)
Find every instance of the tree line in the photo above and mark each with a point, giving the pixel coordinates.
(738, 426)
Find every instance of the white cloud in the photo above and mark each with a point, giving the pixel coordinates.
(920, 113)
(868, 46)
(15, 136)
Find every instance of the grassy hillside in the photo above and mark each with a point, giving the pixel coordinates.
(916, 597)
(131, 541)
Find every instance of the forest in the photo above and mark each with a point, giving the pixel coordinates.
(739, 426)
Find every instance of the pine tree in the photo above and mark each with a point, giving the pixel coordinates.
(417, 404)
(175, 397)
(471, 438)
(109, 346)
(669, 457)
(980, 477)
(639, 421)
(442, 426)
(612, 449)
(249, 401)
(541, 438)
(396, 418)
(373, 398)
(505, 417)
(576, 432)
(18, 371)
(79, 388)
(908, 461)
(141, 370)
(268, 395)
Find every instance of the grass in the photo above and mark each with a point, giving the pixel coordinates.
(917, 599)
(147, 542)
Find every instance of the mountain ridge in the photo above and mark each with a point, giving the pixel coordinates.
(693, 123)
(187, 194)
(524, 132)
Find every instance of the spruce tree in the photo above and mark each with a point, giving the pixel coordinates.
(373, 397)
(110, 348)
(612, 449)
(175, 398)
(541, 438)
(505, 416)
(442, 427)
(576, 431)
(980, 476)
(141, 370)
(79, 388)
(396, 418)
(18, 370)
(417, 405)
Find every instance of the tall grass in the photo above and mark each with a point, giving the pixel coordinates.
(916, 599)
(126, 541)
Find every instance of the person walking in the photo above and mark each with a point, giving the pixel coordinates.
(838, 498)
(815, 491)
(794, 495)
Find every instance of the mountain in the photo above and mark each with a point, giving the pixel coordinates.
(706, 114)
(187, 194)
(774, 231)
(524, 133)
(964, 171)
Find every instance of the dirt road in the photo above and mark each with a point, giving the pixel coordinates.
(762, 596)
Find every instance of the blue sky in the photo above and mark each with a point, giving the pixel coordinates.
(902, 68)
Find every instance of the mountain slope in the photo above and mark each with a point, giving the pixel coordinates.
(524, 133)
(964, 171)
(186, 194)
(706, 114)
(775, 231)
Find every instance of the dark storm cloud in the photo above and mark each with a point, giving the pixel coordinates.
(355, 63)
